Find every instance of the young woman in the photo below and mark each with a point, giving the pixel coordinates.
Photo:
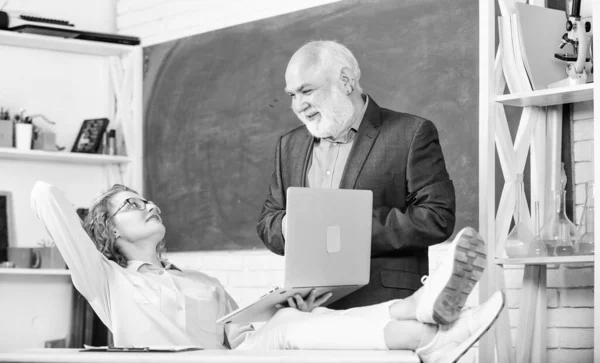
(144, 300)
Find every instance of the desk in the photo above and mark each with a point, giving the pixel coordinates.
(210, 356)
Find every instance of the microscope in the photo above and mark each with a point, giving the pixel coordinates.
(579, 34)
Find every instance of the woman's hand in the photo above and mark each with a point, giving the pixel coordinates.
(312, 301)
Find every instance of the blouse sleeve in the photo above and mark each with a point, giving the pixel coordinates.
(90, 270)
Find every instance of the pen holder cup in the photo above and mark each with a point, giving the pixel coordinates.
(23, 136)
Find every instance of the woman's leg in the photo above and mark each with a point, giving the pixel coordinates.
(408, 334)
(406, 309)
(290, 329)
(401, 309)
(293, 329)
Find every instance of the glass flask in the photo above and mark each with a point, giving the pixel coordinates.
(558, 232)
(517, 241)
(585, 231)
(537, 248)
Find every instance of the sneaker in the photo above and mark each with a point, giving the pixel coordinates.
(452, 341)
(446, 291)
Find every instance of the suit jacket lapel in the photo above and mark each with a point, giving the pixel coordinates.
(366, 136)
(304, 147)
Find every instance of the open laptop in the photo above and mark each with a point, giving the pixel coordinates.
(328, 248)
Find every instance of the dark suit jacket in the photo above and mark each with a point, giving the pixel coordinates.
(398, 157)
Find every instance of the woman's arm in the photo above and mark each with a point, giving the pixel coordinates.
(89, 268)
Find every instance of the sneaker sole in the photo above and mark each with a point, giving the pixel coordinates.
(469, 264)
(462, 349)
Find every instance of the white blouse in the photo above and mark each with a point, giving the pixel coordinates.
(142, 305)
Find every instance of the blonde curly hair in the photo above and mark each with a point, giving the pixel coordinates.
(99, 226)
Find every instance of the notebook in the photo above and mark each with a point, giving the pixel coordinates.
(328, 248)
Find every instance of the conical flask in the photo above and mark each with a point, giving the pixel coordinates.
(585, 231)
(558, 232)
(517, 241)
(537, 248)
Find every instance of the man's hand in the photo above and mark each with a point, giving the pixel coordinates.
(312, 301)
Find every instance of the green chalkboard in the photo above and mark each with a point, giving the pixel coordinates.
(214, 105)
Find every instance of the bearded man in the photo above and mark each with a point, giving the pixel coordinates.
(348, 141)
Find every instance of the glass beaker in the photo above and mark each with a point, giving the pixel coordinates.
(558, 232)
(537, 248)
(585, 231)
(517, 241)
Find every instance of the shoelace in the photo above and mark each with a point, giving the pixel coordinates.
(423, 279)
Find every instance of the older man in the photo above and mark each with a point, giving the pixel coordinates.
(348, 141)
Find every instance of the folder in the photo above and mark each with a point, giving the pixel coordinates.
(149, 349)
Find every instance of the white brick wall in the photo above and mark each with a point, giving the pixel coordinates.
(157, 21)
(245, 274)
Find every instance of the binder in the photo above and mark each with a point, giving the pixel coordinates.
(149, 349)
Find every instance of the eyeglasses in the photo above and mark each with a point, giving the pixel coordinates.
(135, 203)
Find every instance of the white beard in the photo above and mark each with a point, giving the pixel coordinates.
(335, 114)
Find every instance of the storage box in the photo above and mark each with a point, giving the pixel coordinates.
(44, 140)
(50, 257)
(7, 130)
(23, 257)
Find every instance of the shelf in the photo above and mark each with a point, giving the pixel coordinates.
(35, 271)
(544, 260)
(61, 156)
(63, 44)
(549, 97)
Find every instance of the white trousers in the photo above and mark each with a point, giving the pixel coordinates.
(354, 329)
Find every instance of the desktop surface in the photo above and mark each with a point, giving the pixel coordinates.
(209, 356)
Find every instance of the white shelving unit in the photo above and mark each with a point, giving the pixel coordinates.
(34, 272)
(126, 77)
(549, 97)
(535, 135)
(116, 72)
(554, 260)
(62, 44)
(61, 157)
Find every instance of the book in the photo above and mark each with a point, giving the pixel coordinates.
(509, 65)
(541, 30)
(517, 42)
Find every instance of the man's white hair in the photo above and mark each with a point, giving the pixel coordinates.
(333, 55)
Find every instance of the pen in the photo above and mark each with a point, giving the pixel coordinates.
(127, 349)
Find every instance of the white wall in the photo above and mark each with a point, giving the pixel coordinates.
(67, 88)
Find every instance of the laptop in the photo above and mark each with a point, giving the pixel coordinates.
(328, 248)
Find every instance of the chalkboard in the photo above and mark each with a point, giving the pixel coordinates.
(214, 106)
